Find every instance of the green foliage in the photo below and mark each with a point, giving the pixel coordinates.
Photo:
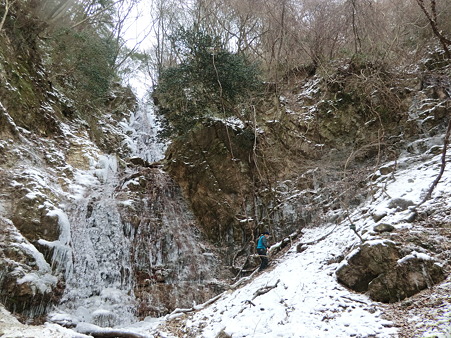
(209, 81)
(83, 63)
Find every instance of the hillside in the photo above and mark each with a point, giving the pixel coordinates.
(302, 276)
(300, 297)
(299, 293)
(106, 230)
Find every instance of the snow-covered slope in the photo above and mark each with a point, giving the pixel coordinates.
(304, 297)
(298, 295)
(304, 300)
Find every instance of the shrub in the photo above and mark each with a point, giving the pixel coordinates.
(210, 81)
(83, 62)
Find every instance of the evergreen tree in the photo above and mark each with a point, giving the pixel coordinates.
(209, 81)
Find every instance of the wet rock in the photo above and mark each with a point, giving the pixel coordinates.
(175, 272)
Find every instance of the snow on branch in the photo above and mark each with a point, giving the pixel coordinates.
(265, 289)
(177, 312)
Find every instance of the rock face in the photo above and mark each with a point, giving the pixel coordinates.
(214, 168)
(377, 268)
(173, 265)
(28, 285)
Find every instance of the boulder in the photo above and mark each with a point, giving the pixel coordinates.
(366, 263)
(383, 227)
(376, 267)
(411, 274)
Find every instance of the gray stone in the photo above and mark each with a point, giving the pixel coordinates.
(400, 204)
(383, 227)
(378, 216)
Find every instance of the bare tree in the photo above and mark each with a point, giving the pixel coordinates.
(165, 18)
(432, 16)
(8, 4)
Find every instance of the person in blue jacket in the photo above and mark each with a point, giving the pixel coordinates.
(262, 248)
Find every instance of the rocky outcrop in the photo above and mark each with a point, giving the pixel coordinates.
(378, 268)
(173, 265)
(306, 151)
(28, 285)
(215, 169)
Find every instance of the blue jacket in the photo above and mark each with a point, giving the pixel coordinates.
(262, 242)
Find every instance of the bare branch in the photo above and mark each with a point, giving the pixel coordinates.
(442, 167)
(432, 17)
(265, 289)
(8, 4)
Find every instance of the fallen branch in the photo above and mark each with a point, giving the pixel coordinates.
(264, 290)
(196, 307)
(116, 334)
(442, 167)
(354, 300)
(320, 239)
(246, 302)
(208, 302)
(109, 333)
(244, 279)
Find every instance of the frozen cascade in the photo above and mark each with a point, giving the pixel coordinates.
(134, 245)
(98, 281)
(99, 278)
(142, 129)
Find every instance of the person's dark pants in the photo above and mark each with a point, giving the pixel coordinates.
(263, 257)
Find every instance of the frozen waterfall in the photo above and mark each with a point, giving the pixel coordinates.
(99, 277)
